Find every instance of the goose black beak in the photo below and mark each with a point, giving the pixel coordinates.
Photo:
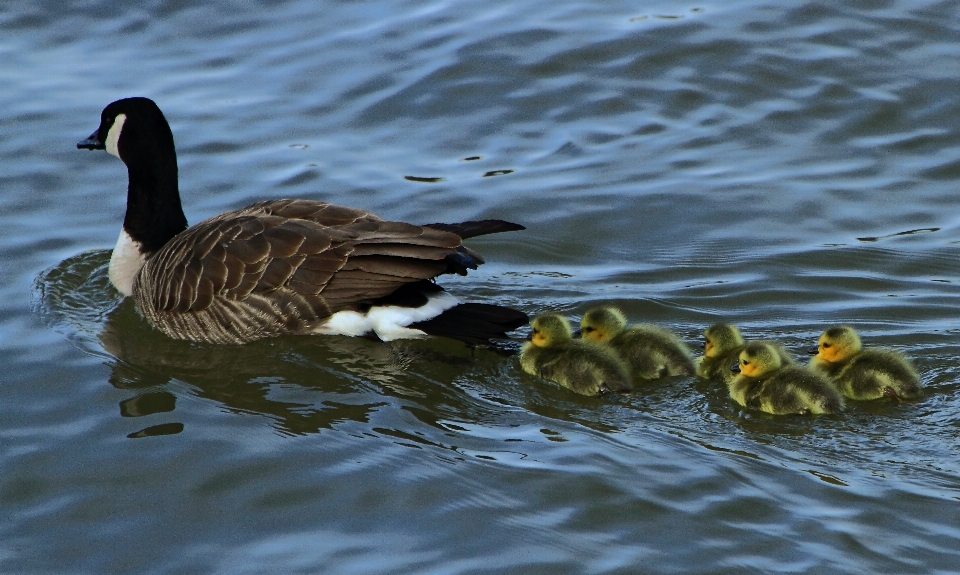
(577, 334)
(91, 143)
(813, 350)
(735, 368)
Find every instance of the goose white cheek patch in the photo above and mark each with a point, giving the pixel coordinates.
(113, 135)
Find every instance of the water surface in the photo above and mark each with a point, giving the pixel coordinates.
(782, 166)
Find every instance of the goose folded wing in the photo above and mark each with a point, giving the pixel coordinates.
(339, 267)
(309, 210)
(385, 256)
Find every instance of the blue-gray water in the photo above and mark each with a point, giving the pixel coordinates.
(754, 162)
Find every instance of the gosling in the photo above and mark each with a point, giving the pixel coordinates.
(650, 351)
(580, 366)
(863, 374)
(722, 344)
(766, 384)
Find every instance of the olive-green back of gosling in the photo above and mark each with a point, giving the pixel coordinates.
(790, 389)
(872, 374)
(796, 389)
(653, 352)
(718, 368)
(583, 367)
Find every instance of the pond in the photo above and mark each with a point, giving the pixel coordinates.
(781, 166)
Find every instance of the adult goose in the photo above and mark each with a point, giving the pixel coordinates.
(280, 266)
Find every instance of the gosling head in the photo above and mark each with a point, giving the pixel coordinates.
(601, 324)
(837, 344)
(720, 339)
(549, 330)
(758, 359)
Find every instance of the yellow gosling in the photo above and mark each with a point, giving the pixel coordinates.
(863, 373)
(765, 383)
(580, 366)
(650, 351)
(722, 344)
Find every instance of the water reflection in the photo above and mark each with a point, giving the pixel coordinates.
(245, 379)
(148, 404)
(441, 394)
(156, 430)
(337, 379)
(871, 239)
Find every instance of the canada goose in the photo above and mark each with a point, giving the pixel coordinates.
(863, 373)
(279, 266)
(722, 344)
(650, 351)
(582, 366)
(766, 384)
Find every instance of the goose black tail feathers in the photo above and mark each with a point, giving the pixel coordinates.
(467, 230)
(474, 323)
(465, 258)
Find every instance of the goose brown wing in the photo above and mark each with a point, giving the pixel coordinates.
(313, 211)
(267, 251)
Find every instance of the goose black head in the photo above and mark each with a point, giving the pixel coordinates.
(132, 129)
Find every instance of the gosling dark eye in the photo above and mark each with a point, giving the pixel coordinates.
(826, 345)
(588, 329)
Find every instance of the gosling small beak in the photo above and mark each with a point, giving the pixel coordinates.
(91, 143)
(578, 333)
(735, 368)
(813, 350)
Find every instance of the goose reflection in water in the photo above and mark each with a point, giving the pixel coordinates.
(242, 379)
(349, 377)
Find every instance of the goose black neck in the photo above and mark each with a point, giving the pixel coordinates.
(154, 214)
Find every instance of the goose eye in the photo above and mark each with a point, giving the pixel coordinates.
(826, 345)
(588, 329)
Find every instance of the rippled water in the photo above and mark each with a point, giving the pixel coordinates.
(782, 166)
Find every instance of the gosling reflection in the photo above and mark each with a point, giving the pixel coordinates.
(148, 404)
(157, 430)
